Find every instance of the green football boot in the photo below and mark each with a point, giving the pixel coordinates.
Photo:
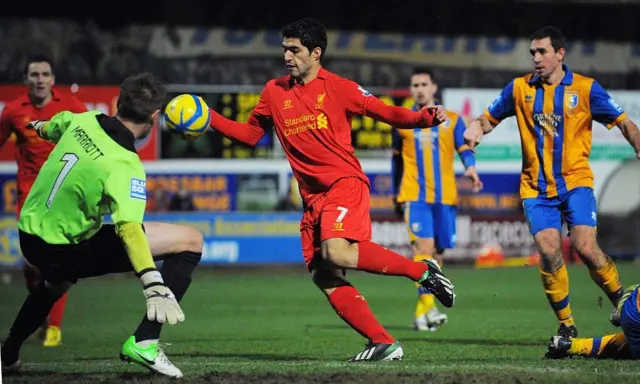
(151, 357)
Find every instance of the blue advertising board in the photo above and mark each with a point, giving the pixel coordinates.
(229, 192)
(210, 191)
(229, 238)
(10, 255)
(243, 238)
(501, 193)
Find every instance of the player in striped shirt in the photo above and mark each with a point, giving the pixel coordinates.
(555, 108)
(424, 184)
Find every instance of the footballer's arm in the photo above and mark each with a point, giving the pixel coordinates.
(361, 102)
(401, 117)
(136, 244)
(248, 133)
(630, 132)
(477, 129)
(127, 213)
(53, 129)
(486, 123)
(501, 108)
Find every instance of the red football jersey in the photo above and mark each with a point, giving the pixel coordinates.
(313, 123)
(31, 150)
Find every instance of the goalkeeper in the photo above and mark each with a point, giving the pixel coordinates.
(95, 170)
(622, 345)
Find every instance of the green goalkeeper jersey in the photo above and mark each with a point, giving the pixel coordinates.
(92, 171)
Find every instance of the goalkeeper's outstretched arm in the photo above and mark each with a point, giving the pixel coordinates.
(53, 129)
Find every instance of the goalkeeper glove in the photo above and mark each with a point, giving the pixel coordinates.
(162, 305)
(38, 126)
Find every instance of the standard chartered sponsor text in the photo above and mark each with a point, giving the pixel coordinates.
(299, 120)
(305, 123)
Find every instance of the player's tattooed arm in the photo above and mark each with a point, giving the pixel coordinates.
(477, 129)
(486, 124)
(630, 132)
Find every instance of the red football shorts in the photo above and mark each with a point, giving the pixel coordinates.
(341, 212)
(22, 191)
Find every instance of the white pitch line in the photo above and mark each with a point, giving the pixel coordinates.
(77, 367)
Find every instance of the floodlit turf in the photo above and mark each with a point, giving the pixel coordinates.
(273, 326)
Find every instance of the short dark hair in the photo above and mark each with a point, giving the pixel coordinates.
(424, 71)
(140, 96)
(554, 34)
(311, 33)
(37, 59)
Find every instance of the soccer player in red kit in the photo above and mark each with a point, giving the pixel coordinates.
(311, 109)
(39, 103)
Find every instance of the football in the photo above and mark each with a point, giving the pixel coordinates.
(188, 116)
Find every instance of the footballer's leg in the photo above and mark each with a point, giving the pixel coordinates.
(33, 312)
(345, 299)
(444, 224)
(57, 277)
(345, 215)
(180, 248)
(420, 226)
(580, 213)
(434, 317)
(352, 307)
(426, 305)
(609, 346)
(32, 275)
(623, 345)
(53, 336)
(545, 221)
(32, 278)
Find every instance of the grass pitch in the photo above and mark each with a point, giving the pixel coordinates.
(272, 326)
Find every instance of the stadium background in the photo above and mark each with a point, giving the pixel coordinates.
(257, 321)
(241, 198)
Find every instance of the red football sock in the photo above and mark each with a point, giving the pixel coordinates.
(374, 258)
(57, 312)
(351, 306)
